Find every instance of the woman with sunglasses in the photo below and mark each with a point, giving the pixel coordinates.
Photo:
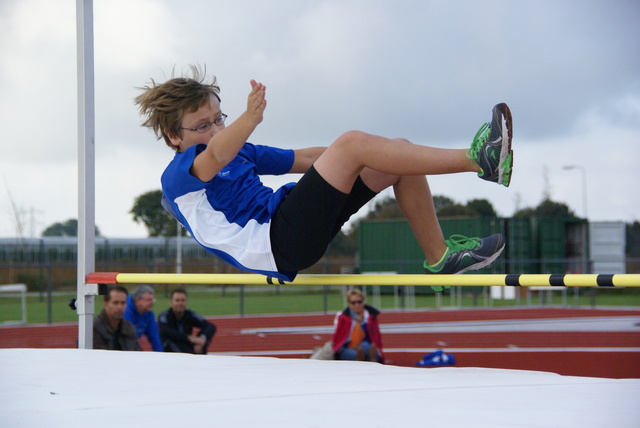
(357, 335)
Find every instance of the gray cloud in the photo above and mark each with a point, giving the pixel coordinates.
(429, 71)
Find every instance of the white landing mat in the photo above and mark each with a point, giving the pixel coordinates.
(77, 388)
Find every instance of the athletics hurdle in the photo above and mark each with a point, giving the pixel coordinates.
(469, 280)
(96, 283)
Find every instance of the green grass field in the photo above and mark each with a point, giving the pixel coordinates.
(216, 302)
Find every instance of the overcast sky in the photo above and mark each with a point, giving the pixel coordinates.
(428, 71)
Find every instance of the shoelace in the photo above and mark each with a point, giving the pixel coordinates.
(506, 177)
(478, 141)
(460, 242)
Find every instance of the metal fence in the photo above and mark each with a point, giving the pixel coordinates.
(48, 266)
(405, 298)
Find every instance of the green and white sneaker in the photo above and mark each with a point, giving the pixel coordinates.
(491, 147)
(465, 254)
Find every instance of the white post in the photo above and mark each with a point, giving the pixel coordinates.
(179, 247)
(86, 172)
(585, 237)
(583, 171)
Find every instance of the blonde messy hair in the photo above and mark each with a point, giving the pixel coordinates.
(165, 105)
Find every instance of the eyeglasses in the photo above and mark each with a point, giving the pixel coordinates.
(204, 127)
(355, 302)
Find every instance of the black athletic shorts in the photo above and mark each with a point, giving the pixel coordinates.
(309, 217)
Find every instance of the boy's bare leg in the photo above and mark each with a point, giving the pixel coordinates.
(382, 162)
(416, 202)
(343, 161)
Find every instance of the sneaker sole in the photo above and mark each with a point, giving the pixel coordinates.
(507, 135)
(483, 263)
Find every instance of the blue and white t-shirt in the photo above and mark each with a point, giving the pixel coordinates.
(230, 215)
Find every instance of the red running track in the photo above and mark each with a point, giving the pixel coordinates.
(610, 354)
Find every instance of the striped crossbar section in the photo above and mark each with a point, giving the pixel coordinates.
(469, 280)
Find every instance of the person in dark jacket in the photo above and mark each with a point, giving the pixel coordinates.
(183, 330)
(357, 335)
(110, 330)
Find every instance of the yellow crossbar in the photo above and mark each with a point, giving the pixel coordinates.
(524, 280)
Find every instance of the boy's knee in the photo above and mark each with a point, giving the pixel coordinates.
(349, 138)
(355, 137)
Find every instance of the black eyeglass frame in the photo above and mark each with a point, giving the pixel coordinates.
(204, 127)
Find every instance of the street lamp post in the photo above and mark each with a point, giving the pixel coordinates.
(585, 257)
(583, 170)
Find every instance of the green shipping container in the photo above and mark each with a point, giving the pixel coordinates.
(389, 245)
(521, 248)
(551, 243)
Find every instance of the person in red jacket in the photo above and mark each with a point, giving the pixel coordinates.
(357, 336)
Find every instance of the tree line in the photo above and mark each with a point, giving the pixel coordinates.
(158, 222)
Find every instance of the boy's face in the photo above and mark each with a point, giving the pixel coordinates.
(207, 113)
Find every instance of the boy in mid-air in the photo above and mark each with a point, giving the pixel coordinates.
(213, 185)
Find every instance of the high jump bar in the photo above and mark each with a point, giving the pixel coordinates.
(468, 280)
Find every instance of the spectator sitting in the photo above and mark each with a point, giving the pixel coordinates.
(110, 330)
(357, 335)
(178, 327)
(140, 313)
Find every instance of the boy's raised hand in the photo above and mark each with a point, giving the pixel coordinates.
(256, 102)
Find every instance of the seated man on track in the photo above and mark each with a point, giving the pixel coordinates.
(183, 330)
(110, 330)
(140, 313)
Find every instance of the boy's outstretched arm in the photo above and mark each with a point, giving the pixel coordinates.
(223, 147)
(304, 158)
